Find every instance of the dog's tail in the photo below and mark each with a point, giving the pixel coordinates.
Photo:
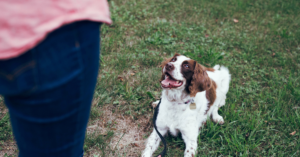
(225, 77)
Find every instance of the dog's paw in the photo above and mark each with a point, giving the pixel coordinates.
(218, 119)
(154, 104)
(146, 155)
(187, 154)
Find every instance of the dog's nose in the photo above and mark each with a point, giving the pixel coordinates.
(169, 67)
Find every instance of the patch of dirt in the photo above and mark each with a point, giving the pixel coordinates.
(3, 109)
(9, 148)
(128, 134)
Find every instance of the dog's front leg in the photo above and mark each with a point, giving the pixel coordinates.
(189, 136)
(153, 142)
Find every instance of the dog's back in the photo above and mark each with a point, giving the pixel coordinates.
(224, 77)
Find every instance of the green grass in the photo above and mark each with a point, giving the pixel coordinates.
(5, 127)
(262, 52)
(99, 141)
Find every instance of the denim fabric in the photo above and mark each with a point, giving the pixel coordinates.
(49, 89)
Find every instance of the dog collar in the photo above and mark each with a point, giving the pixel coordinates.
(192, 104)
(190, 100)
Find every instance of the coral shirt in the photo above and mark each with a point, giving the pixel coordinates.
(24, 23)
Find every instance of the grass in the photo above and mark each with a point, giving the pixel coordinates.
(5, 128)
(262, 51)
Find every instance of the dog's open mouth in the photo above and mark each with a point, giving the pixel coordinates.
(170, 82)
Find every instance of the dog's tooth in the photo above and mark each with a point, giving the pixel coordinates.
(177, 82)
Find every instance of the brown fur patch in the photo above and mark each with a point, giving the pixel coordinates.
(164, 63)
(200, 81)
(211, 95)
(210, 69)
(188, 72)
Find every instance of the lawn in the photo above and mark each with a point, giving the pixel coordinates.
(258, 40)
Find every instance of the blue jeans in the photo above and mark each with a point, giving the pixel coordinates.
(49, 89)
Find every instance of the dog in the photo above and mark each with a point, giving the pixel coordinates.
(191, 93)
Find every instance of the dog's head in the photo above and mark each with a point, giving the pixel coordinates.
(182, 73)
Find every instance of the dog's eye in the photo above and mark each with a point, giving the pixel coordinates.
(186, 65)
(173, 60)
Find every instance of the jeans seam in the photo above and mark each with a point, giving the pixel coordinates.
(34, 73)
(19, 70)
(7, 76)
(23, 68)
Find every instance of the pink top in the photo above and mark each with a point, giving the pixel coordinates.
(24, 23)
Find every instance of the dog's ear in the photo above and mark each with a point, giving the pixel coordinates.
(164, 63)
(200, 81)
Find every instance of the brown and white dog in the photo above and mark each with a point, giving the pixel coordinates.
(191, 93)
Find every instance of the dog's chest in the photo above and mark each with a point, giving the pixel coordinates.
(173, 115)
(174, 111)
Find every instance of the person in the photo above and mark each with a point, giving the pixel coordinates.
(49, 61)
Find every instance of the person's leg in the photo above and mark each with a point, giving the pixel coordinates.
(49, 91)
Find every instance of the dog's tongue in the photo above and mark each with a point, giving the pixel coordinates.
(169, 83)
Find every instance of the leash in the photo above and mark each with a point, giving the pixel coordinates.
(163, 153)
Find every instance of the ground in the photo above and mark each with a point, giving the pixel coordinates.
(259, 41)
